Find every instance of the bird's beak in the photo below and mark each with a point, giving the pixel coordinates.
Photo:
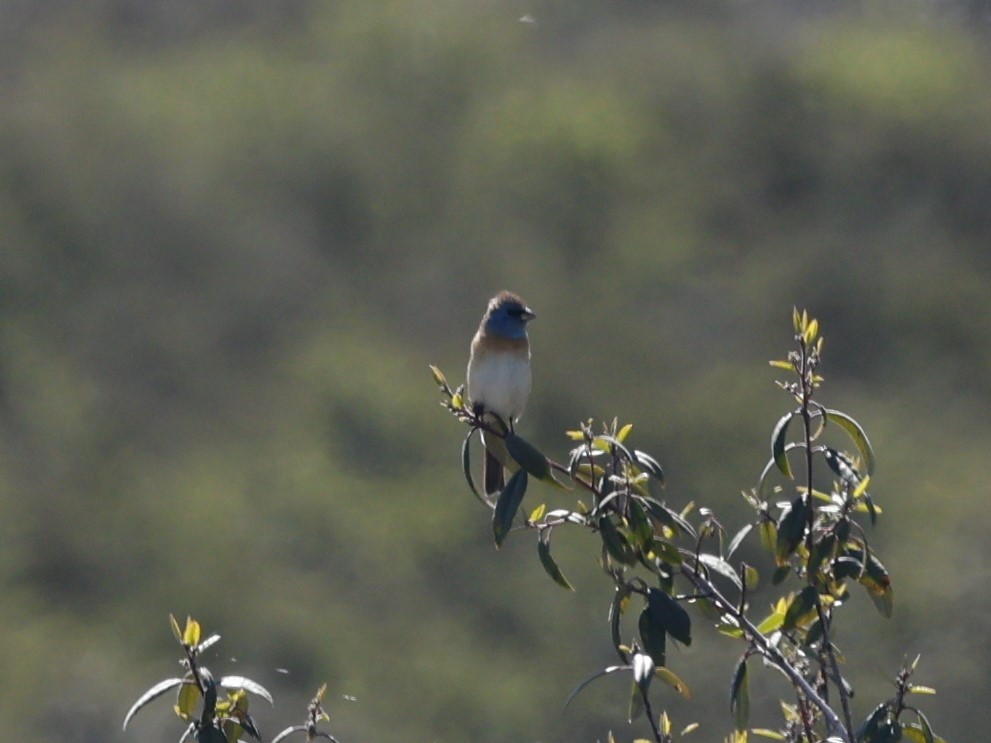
(528, 314)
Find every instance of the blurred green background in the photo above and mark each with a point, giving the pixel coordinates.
(234, 237)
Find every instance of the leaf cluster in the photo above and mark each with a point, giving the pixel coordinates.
(212, 718)
(665, 559)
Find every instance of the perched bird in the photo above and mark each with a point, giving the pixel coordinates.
(499, 375)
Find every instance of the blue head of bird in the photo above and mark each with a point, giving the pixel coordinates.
(507, 316)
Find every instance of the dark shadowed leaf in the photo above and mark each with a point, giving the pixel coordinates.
(508, 504)
(210, 735)
(668, 614)
(791, 529)
(739, 698)
(615, 542)
(466, 467)
(544, 552)
(856, 433)
(653, 637)
(528, 456)
(153, 693)
(779, 439)
(620, 601)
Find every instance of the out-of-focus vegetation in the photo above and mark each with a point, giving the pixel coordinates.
(232, 241)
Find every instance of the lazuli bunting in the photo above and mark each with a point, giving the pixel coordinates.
(499, 374)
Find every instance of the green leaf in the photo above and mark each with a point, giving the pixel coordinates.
(616, 544)
(508, 504)
(289, 731)
(640, 527)
(856, 432)
(735, 542)
(636, 703)
(801, 607)
(466, 467)
(649, 465)
(670, 678)
(240, 682)
(653, 636)
(153, 693)
(186, 700)
(670, 616)
(778, 442)
(175, 629)
(721, 566)
(191, 635)
(739, 698)
(918, 734)
(590, 679)
(544, 552)
(528, 456)
(791, 529)
(621, 599)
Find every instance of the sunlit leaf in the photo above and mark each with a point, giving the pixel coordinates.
(690, 728)
(186, 700)
(508, 504)
(670, 678)
(786, 365)
(649, 465)
(153, 693)
(624, 432)
(636, 703)
(240, 682)
(762, 732)
(801, 608)
(590, 679)
(287, 732)
(537, 513)
(722, 567)
(738, 539)
(175, 629)
(191, 635)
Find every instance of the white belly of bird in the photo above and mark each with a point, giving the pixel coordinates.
(501, 383)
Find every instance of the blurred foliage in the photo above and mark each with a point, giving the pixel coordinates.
(234, 238)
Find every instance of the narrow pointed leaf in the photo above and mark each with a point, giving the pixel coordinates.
(856, 433)
(636, 703)
(466, 466)
(175, 629)
(528, 456)
(590, 679)
(738, 539)
(289, 731)
(650, 465)
(507, 506)
(792, 529)
(739, 699)
(153, 693)
(778, 442)
(439, 377)
(544, 552)
(670, 678)
(208, 642)
(616, 544)
(240, 682)
(722, 567)
(621, 599)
